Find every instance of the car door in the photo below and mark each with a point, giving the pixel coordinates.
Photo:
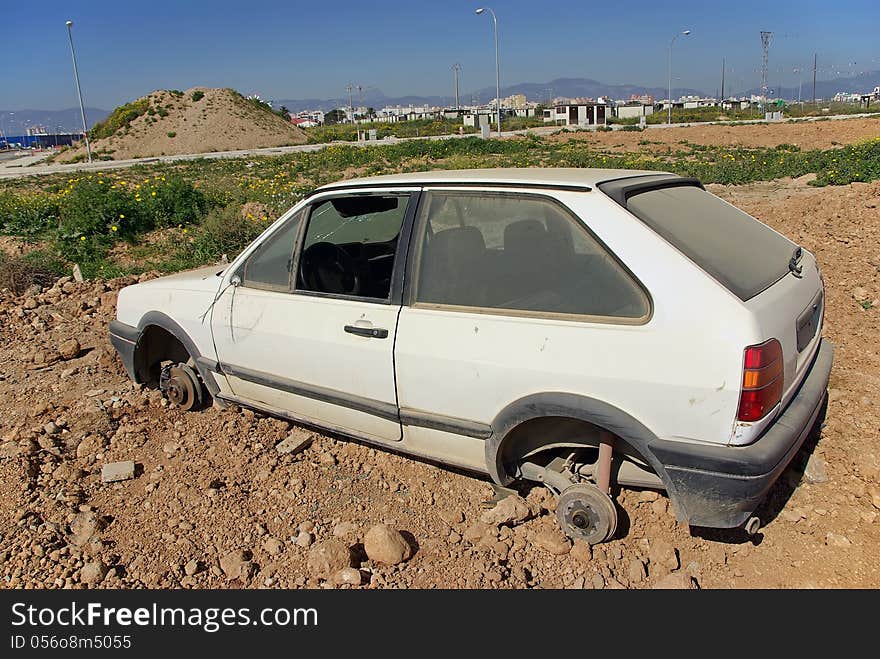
(310, 329)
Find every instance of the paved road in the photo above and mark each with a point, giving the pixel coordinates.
(29, 165)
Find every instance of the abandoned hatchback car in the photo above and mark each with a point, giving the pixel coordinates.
(578, 328)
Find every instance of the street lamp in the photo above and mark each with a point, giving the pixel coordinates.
(669, 89)
(497, 66)
(82, 110)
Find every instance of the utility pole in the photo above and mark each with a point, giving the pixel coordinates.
(349, 89)
(815, 60)
(82, 110)
(765, 52)
(455, 69)
(722, 79)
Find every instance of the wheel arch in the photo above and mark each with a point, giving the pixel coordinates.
(515, 428)
(158, 332)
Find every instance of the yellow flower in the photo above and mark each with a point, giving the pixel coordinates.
(185, 230)
(113, 228)
(153, 193)
(82, 237)
(121, 216)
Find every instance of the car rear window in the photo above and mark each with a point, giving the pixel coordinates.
(744, 255)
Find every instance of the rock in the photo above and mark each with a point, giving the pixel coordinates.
(328, 557)
(51, 428)
(90, 445)
(510, 511)
(304, 539)
(93, 573)
(660, 507)
(117, 471)
(236, 564)
(662, 553)
(344, 529)
(84, 526)
(647, 496)
(67, 472)
(552, 540)
(347, 575)
(815, 471)
(77, 273)
(874, 492)
(29, 303)
(9, 450)
(476, 531)
(581, 551)
(676, 581)
(296, 442)
(859, 293)
(170, 448)
(386, 545)
(451, 516)
(273, 546)
(834, 540)
(191, 568)
(69, 349)
(598, 581)
(636, 571)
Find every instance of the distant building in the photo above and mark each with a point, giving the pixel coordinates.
(578, 112)
(634, 109)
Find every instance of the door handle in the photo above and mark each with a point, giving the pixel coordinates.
(369, 332)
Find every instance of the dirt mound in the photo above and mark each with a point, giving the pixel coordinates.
(231, 499)
(199, 120)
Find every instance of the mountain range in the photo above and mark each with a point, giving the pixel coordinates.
(14, 123)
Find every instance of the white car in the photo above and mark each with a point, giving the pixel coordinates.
(584, 329)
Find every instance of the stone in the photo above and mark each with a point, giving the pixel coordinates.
(636, 571)
(552, 540)
(9, 450)
(69, 349)
(90, 445)
(647, 496)
(344, 529)
(93, 573)
(236, 564)
(77, 273)
(84, 526)
(273, 546)
(511, 510)
(51, 428)
(598, 581)
(661, 553)
(347, 575)
(675, 581)
(304, 539)
(191, 568)
(835, 540)
(386, 545)
(67, 472)
(296, 442)
(117, 471)
(476, 531)
(874, 493)
(328, 557)
(859, 293)
(815, 471)
(581, 551)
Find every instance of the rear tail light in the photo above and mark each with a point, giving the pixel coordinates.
(762, 380)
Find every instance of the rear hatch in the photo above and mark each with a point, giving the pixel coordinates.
(774, 278)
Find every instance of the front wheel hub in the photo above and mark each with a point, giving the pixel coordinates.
(585, 513)
(181, 386)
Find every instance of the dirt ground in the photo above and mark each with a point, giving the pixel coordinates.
(805, 134)
(219, 121)
(214, 504)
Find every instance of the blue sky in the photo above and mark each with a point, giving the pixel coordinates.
(312, 49)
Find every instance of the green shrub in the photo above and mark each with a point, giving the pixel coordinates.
(171, 134)
(27, 214)
(120, 118)
(197, 95)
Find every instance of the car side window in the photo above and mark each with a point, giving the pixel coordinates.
(271, 263)
(519, 252)
(350, 245)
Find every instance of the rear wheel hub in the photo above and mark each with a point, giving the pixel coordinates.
(585, 513)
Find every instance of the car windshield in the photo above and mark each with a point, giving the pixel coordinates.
(743, 254)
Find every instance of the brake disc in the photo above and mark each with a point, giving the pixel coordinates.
(586, 513)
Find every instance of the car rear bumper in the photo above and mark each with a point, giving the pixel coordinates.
(124, 338)
(721, 486)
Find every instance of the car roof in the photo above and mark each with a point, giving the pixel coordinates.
(527, 177)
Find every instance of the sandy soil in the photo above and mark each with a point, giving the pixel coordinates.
(214, 504)
(805, 134)
(220, 121)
